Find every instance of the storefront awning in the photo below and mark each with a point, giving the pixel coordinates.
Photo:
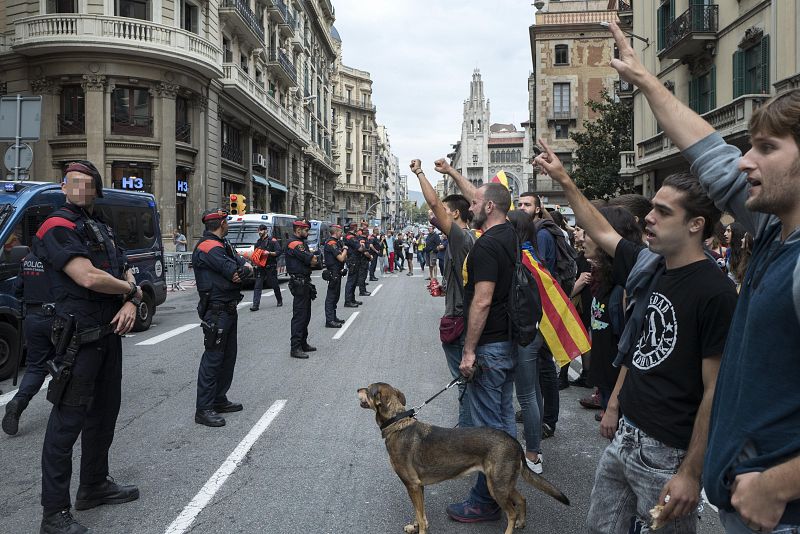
(260, 180)
(277, 185)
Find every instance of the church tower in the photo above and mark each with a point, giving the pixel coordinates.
(475, 134)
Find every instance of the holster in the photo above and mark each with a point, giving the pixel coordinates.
(62, 335)
(202, 306)
(213, 336)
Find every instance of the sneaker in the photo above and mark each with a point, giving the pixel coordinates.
(469, 512)
(518, 416)
(547, 431)
(536, 466)
(592, 402)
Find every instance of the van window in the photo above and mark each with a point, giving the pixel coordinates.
(134, 227)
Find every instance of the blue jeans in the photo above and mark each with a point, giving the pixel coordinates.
(491, 401)
(453, 354)
(630, 476)
(734, 525)
(529, 394)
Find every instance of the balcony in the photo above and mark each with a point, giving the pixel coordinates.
(241, 18)
(92, 35)
(280, 64)
(688, 34)
(277, 10)
(625, 14)
(132, 125)
(71, 124)
(627, 164)
(232, 153)
(563, 115)
(183, 132)
(624, 89)
(254, 97)
(355, 188)
(336, 99)
(730, 121)
(297, 43)
(288, 28)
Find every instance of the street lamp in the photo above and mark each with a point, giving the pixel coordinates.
(645, 40)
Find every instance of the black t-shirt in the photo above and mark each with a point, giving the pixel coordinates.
(492, 260)
(687, 320)
(602, 372)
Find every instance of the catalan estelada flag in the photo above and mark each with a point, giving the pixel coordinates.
(501, 178)
(561, 327)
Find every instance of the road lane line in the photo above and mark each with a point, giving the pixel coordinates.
(6, 397)
(184, 521)
(167, 335)
(375, 291)
(345, 326)
(243, 304)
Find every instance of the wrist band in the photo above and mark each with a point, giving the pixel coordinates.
(419, 171)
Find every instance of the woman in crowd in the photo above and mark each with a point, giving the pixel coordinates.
(742, 260)
(421, 251)
(408, 250)
(734, 234)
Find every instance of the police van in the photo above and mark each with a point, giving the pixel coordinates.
(134, 218)
(243, 233)
(317, 234)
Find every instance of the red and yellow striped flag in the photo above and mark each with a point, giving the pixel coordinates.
(501, 178)
(561, 327)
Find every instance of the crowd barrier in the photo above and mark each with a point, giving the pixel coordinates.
(179, 271)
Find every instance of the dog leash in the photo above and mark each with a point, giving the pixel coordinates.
(414, 411)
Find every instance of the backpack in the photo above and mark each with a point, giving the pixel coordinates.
(566, 269)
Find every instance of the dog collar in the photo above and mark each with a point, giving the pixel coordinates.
(403, 415)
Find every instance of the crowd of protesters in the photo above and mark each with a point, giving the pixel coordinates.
(694, 324)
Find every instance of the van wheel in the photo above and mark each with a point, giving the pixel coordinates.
(144, 313)
(9, 350)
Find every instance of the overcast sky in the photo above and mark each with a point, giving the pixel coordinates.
(421, 54)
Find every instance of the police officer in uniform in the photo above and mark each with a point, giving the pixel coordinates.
(354, 249)
(363, 260)
(271, 247)
(335, 256)
(219, 272)
(34, 287)
(299, 263)
(96, 303)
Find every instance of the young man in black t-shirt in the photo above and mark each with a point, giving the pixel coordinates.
(680, 307)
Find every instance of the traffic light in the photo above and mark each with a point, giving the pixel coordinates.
(238, 205)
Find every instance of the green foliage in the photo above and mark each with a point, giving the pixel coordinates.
(417, 214)
(597, 161)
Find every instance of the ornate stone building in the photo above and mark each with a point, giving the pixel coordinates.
(189, 100)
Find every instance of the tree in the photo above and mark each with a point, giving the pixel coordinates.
(597, 163)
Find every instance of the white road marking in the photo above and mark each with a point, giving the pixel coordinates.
(243, 304)
(573, 374)
(6, 397)
(345, 326)
(184, 521)
(375, 291)
(272, 293)
(167, 335)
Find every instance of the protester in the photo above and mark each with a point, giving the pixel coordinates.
(390, 248)
(752, 468)
(432, 242)
(734, 235)
(408, 249)
(399, 256)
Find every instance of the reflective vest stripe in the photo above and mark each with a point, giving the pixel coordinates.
(54, 222)
(207, 245)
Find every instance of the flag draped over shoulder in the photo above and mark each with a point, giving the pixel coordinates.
(501, 178)
(561, 327)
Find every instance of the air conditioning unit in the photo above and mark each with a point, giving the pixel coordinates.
(260, 160)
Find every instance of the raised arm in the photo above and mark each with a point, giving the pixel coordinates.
(434, 203)
(466, 187)
(682, 125)
(591, 220)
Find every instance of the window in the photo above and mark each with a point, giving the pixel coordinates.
(135, 9)
(474, 159)
(702, 92)
(227, 51)
(62, 6)
(71, 120)
(349, 93)
(751, 69)
(132, 176)
(566, 160)
(561, 101)
(231, 143)
(189, 17)
(562, 55)
(562, 131)
(666, 14)
(183, 129)
(243, 62)
(349, 179)
(131, 112)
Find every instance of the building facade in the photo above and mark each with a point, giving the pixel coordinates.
(571, 53)
(721, 58)
(188, 100)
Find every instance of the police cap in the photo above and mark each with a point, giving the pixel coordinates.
(86, 167)
(301, 224)
(214, 214)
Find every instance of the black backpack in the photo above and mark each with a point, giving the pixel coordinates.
(524, 303)
(566, 269)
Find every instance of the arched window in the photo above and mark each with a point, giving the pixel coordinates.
(479, 125)
(471, 126)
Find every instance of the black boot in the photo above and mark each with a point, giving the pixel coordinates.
(228, 407)
(350, 305)
(297, 352)
(13, 410)
(358, 302)
(307, 348)
(61, 522)
(332, 324)
(106, 492)
(364, 294)
(208, 418)
(280, 303)
(253, 308)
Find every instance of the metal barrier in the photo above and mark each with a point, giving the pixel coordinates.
(179, 271)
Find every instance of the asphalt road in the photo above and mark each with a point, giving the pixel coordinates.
(303, 457)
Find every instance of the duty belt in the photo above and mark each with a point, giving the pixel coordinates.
(300, 277)
(229, 306)
(48, 309)
(94, 334)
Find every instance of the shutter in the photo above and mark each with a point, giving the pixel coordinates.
(712, 93)
(738, 73)
(661, 28)
(765, 65)
(694, 94)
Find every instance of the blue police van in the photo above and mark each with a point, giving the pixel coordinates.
(23, 208)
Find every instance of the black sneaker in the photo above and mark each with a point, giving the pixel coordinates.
(307, 348)
(469, 512)
(332, 324)
(61, 522)
(209, 418)
(547, 431)
(364, 294)
(106, 492)
(228, 407)
(253, 308)
(297, 352)
(14, 409)
(350, 305)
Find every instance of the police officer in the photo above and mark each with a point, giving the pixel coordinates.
(299, 263)
(271, 248)
(335, 256)
(96, 303)
(38, 306)
(219, 273)
(364, 259)
(354, 249)
(376, 251)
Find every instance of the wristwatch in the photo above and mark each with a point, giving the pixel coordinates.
(132, 293)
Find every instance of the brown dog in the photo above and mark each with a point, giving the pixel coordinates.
(423, 454)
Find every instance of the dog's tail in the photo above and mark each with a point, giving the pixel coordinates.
(540, 483)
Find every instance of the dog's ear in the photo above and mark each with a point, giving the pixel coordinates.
(400, 396)
(375, 394)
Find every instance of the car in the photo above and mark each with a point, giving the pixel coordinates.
(135, 221)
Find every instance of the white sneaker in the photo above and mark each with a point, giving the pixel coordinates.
(536, 466)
